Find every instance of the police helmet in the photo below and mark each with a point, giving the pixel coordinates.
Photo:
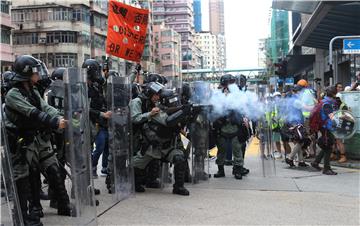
(152, 88)
(58, 73)
(6, 81)
(169, 98)
(227, 79)
(164, 80)
(93, 69)
(25, 66)
(242, 81)
(154, 77)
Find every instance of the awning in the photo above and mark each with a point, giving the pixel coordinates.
(297, 63)
(330, 19)
(306, 7)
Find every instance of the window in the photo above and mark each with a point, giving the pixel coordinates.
(166, 33)
(61, 37)
(81, 15)
(25, 39)
(99, 42)
(168, 68)
(5, 7)
(5, 36)
(166, 56)
(64, 60)
(166, 45)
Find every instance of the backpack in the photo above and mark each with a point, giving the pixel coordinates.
(315, 121)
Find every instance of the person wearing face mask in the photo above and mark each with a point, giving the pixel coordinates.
(28, 122)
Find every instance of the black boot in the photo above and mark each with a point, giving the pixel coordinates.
(179, 174)
(23, 191)
(221, 172)
(57, 183)
(35, 207)
(243, 171)
(153, 172)
(237, 172)
(139, 179)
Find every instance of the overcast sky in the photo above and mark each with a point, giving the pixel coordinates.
(245, 23)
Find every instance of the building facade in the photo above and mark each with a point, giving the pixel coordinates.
(168, 51)
(179, 15)
(216, 15)
(7, 57)
(217, 27)
(66, 33)
(148, 57)
(208, 43)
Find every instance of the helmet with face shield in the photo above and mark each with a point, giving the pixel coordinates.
(25, 66)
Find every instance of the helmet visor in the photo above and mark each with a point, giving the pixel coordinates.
(156, 87)
(41, 70)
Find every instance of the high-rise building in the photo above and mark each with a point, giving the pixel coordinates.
(7, 57)
(208, 43)
(148, 57)
(278, 43)
(178, 14)
(168, 51)
(217, 27)
(262, 53)
(197, 15)
(216, 15)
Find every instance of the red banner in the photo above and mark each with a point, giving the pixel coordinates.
(126, 33)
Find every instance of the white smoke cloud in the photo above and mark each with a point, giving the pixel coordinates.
(248, 103)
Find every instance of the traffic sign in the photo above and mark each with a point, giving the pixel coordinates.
(351, 46)
(289, 81)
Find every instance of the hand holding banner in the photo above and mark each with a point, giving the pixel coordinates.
(127, 27)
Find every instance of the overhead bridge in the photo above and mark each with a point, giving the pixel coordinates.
(219, 70)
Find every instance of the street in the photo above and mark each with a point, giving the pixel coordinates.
(291, 197)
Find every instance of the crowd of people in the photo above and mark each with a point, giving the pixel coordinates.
(33, 115)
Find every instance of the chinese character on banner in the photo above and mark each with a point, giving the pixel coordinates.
(126, 34)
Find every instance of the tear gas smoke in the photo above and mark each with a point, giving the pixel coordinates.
(247, 103)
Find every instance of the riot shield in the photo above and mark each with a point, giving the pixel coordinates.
(165, 175)
(266, 150)
(10, 208)
(199, 132)
(78, 146)
(120, 180)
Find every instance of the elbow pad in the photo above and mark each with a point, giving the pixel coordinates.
(44, 118)
(175, 118)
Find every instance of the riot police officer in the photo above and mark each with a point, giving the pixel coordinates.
(28, 121)
(160, 141)
(230, 129)
(6, 83)
(142, 109)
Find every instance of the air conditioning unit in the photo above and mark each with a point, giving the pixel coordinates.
(42, 40)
